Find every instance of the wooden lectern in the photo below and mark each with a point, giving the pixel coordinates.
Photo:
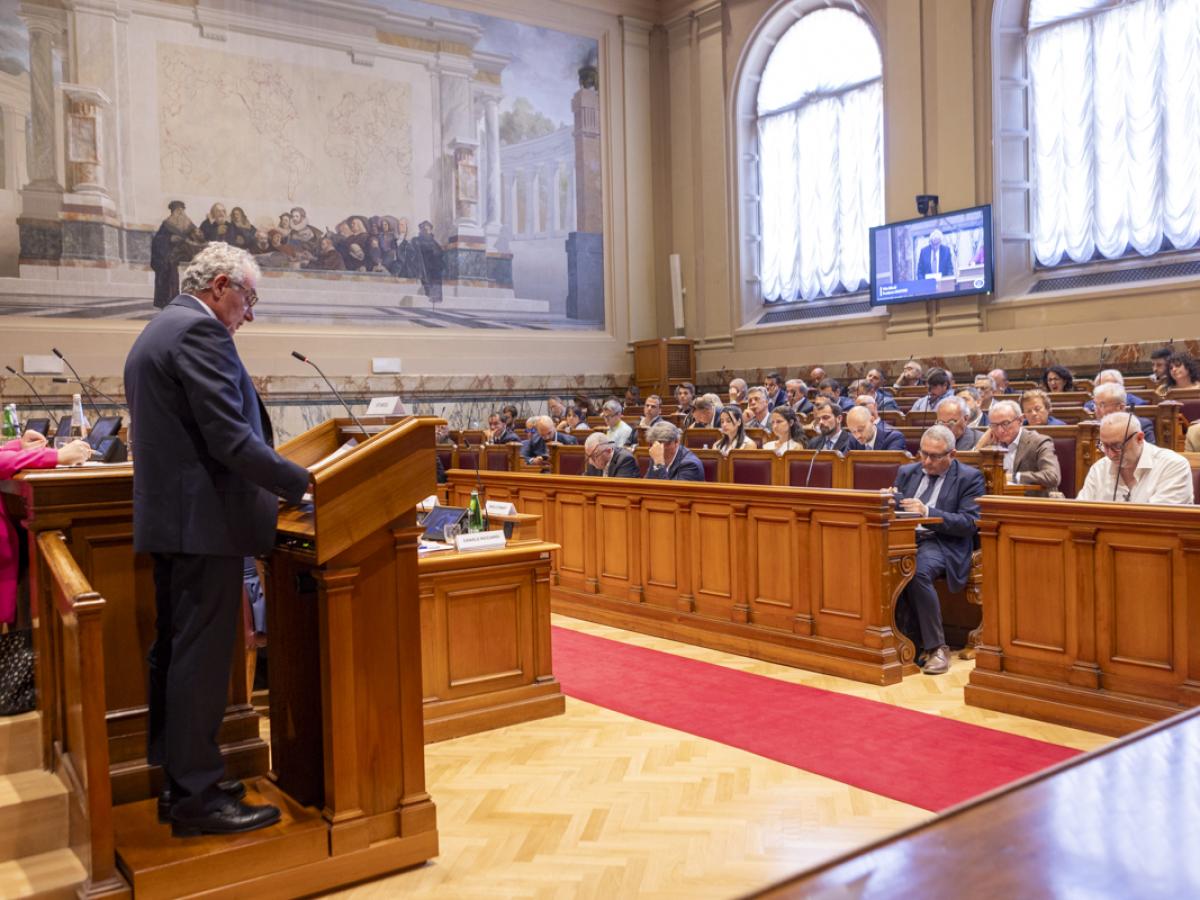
(347, 743)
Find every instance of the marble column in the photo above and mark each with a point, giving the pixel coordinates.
(531, 202)
(491, 112)
(43, 163)
(556, 222)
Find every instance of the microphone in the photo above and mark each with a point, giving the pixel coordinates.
(58, 379)
(304, 359)
(49, 412)
(79, 380)
(812, 462)
(1121, 458)
(1103, 343)
(478, 480)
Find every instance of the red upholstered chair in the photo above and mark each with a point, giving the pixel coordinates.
(697, 438)
(468, 459)
(912, 438)
(497, 459)
(751, 466)
(711, 460)
(797, 464)
(567, 460)
(643, 461)
(1064, 449)
(446, 455)
(872, 470)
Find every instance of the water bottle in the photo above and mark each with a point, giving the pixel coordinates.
(79, 422)
(474, 513)
(11, 428)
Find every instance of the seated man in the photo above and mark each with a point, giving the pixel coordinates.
(875, 376)
(1000, 380)
(1111, 398)
(1148, 474)
(669, 459)
(757, 413)
(832, 388)
(737, 391)
(816, 375)
(866, 388)
(1158, 364)
(827, 417)
(954, 414)
(1112, 376)
(972, 396)
(684, 395)
(620, 432)
(937, 486)
(797, 397)
(499, 431)
(535, 450)
(775, 392)
(986, 386)
(869, 434)
(651, 411)
(607, 459)
(556, 408)
(704, 413)
(939, 383)
(912, 374)
(1029, 457)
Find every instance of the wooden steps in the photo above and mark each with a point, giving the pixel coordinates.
(35, 859)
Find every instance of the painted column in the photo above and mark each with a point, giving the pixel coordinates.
(43, 167)
(531, 202)
(491, 112)
(556, 220)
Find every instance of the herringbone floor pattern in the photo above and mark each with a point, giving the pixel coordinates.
(593, 804)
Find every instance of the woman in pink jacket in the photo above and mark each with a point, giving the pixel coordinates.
(28, 452)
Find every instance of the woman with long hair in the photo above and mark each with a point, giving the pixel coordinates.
(733, 432)
(788, 432)
(1183, 372)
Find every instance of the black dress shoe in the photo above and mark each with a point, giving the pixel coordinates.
(231, 817)
(231, 786)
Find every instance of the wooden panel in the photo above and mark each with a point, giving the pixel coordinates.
(771, 567)
(612, 535)
(840, 583)
(1034, 568)
(484, 632)
(660, 553)
(712, 572)
(569, 511)
(1135, 603)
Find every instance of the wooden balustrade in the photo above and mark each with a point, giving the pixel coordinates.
(71, 686)
(1091, 614)
(802, 577)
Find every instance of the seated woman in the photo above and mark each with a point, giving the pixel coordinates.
(576, 420)
(1037, 406)
(1183, 372)
(28, 452)
(1057, 379)
(733, 432)
(789, 433)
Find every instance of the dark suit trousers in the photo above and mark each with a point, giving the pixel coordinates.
(198, 600)
(920, 602)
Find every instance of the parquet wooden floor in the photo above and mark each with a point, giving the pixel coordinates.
(593, 804)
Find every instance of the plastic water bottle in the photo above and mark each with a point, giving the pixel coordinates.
(11, 428)
(474, 513)
(79, 422)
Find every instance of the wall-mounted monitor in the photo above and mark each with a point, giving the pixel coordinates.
(932, 258)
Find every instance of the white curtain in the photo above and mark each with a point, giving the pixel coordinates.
(1116, 131)
(822, 189)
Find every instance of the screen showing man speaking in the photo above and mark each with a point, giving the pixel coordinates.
(933, 257)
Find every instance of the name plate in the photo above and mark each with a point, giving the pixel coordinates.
(500, 508)
(428, 503)
(480, 540)
(387, 406)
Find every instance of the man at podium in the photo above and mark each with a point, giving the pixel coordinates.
(204, 497)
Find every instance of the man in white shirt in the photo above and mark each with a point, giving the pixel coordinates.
(619, 431)
(1148, 474)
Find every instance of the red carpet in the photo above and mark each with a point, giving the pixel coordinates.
(916, 758)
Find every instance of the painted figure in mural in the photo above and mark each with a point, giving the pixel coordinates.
(302, 232)
(166, 252)
(387, 240)
(374, 256)
(285, 226)
(241, 231)
(261, 245)
(216, 226)
(407, 263)
(356, 259)
(328, 257)
(284, 256)
(431, 261)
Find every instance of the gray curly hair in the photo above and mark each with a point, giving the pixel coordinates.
(218, 259)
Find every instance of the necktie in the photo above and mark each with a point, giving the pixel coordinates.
(928, 492)
(828, 443)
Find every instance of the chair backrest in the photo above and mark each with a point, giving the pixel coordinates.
(806, 468)
(872, 470)
(468, 458)
(711, 460)
(446, 455)
(892, 416)
(566, 459)
(751, 466)
(697, 438)
(912, 438)
(498, 458)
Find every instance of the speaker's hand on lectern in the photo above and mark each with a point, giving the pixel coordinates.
(32, 440)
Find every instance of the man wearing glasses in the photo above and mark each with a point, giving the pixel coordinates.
(204, 498)
(1148, 474)
(608, 460)
(1029, 457)
(937, 486)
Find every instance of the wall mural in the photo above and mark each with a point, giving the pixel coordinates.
(406, 164)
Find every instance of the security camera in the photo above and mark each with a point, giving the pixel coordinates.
(927, 204)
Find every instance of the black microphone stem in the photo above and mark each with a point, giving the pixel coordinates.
(1121, 458)
(812, 462)
(40, 400)
(95, 408)
(305, 359)
(89, 390)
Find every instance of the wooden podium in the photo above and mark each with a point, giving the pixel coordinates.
(347, 744)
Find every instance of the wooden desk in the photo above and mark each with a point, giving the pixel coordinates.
(1117, 822)
(485, 639)
(804, 577)
(1091, 612)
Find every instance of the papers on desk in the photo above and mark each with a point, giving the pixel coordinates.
(336, 454)
(424, 548)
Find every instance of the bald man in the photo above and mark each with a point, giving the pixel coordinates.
(1148, 474)
(870, 434)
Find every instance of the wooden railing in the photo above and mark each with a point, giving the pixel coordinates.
(72, 698)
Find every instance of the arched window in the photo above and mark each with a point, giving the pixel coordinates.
(1114, 99)
(818, 120)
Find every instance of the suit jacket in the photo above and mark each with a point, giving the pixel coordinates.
(958, 507)
(536, 445)
(841, 445)
(925, 263)
(686, 466)
(780, 397)
(885, 439)
(508, 436)
(622, 464)
(970, 437)
(1036, 460)
(205, 481)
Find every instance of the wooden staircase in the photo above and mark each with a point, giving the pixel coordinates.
(36, 859)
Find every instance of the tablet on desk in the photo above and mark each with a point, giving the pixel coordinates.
(41, 426)
(105, 427)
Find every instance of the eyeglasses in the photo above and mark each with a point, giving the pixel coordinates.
(1115, 448)
(953, 421)
(249, 295)
(1007, 424)
(925, 454)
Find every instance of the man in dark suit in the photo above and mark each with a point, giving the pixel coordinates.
(204, 498)
(827, 417)
(871, 435)
(536, 449)
(955, 414)
(499, 431)
(606, 459)
(935, 257)
(669, 459)
(797, 396)
(937, 486)
(776, 393)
